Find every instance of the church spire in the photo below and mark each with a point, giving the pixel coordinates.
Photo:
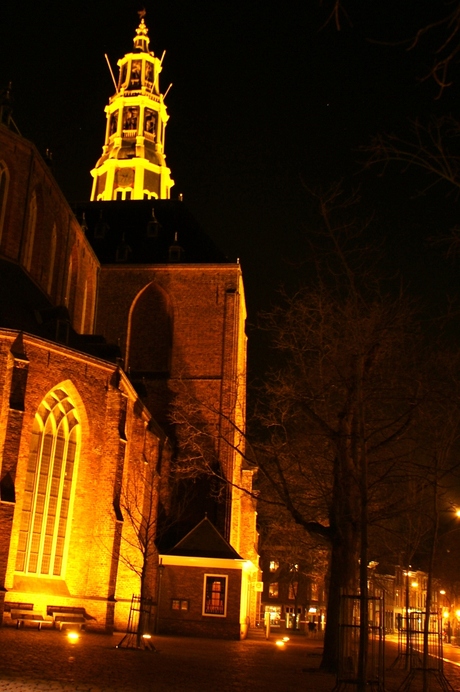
(141, 40)
(133, 162)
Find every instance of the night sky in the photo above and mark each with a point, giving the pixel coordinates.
(264, 102)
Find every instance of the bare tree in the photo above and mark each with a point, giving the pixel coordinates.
(433, 149)
(334, 414)
(336, 13)
(138, 506)
(440, 35)
(436, 467)
(340, 396)
(445, 34)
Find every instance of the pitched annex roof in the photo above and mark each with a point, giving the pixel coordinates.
(204, 541)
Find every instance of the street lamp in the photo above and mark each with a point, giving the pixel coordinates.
(161, 569)
(73, 636)
(414, 584)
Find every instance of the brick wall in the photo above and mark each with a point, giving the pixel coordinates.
(203, 306)
(93, 576)
(186, 583)
(58, 236)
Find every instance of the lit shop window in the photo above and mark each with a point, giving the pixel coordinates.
(275, 615)
(274, 565)
(215, 595)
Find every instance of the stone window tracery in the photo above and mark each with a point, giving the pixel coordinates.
(53, 453)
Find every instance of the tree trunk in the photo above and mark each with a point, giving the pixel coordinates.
(342, 580)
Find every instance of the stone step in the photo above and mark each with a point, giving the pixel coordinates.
(256, 633)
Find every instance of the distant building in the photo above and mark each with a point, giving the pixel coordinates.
(107, 310)
(292, 598)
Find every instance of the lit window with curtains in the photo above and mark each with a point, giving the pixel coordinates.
(215, 595)
(50, 475)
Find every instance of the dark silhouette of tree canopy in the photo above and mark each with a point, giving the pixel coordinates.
(439, 35)
(332, 428)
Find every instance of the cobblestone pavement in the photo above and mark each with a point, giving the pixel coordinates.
(33, 661)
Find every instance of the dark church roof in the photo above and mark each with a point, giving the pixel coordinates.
(204, 541)
(146, 232)
(21, 300)
(27, 309)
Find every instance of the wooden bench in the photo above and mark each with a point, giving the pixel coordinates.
(17, 605)
(24, 615)
(68, 615)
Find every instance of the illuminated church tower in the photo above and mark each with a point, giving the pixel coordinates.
(175, 305)
(133, 163)
(123, 308)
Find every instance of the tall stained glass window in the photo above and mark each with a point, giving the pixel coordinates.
(48, 490)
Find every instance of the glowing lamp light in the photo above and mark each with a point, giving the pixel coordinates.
(280, 643)
(285, 639)
(457, 613)
(73, 637)
(414, 584)
(146, 636)
(442, 592)
(445, 614)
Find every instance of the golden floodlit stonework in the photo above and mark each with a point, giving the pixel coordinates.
(108, 310)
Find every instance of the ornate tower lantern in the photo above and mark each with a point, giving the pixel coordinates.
(133, 163)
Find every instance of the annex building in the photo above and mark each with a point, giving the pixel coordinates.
(112, 313)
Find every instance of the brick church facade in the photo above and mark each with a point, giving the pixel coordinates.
(109, 311)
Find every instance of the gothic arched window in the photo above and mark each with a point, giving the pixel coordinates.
(68, 287)
(52, 259)
(83, 308)
(150, 332)
(48, 490)
(4, 183)
(31, 225)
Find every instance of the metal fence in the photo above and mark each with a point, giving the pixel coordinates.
(369, 669)
(421, 651)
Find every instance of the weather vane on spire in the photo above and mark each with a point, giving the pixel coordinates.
(142, 13)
